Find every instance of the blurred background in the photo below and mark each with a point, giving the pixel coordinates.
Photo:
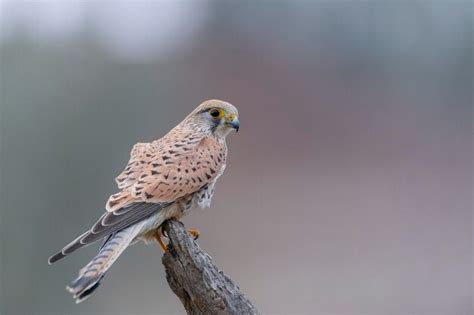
(347, 191)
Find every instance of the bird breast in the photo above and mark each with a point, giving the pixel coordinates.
(202, 198)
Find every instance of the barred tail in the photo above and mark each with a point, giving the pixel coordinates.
(90, 276)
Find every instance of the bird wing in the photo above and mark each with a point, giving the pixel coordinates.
(140, 152)
(182, 173)
(164, 171)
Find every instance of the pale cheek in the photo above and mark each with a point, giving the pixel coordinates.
(223, 130)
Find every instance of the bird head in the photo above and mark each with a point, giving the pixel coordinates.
(216, 117)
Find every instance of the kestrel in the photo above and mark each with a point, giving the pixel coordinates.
(163, 179)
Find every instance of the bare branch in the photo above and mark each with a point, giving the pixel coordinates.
(193, 277)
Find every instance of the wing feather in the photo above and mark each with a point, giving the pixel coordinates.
(109, 223)
(173, 167)
(183, 172)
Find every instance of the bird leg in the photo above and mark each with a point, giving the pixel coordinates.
(160, 242)
(194, 233)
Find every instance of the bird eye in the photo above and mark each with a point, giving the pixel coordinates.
(216, 113)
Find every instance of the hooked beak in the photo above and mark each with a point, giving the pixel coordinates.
(233, 121)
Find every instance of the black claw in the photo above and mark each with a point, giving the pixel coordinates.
(163, 232)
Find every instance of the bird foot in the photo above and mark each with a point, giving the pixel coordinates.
(194, 233)
(160, 242)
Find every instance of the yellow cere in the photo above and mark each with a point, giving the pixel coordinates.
(231, 117)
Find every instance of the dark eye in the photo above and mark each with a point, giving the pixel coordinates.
(216, 113)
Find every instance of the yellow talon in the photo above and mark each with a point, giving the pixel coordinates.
(194, 233)
(160, 242)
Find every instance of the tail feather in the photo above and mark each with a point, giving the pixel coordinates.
(109, 223)
(90, 276)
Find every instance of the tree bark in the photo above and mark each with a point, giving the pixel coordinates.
(193, 277)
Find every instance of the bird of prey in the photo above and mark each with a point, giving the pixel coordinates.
(163, 179)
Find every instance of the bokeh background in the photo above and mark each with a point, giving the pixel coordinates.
(348, 190)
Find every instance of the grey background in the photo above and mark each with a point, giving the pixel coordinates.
(348, 189)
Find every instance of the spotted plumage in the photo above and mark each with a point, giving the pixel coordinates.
(163, 179)
(170, 168)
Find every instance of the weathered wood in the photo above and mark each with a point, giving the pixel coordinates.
(193, 277)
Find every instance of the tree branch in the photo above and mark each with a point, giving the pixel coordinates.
(193, 277)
